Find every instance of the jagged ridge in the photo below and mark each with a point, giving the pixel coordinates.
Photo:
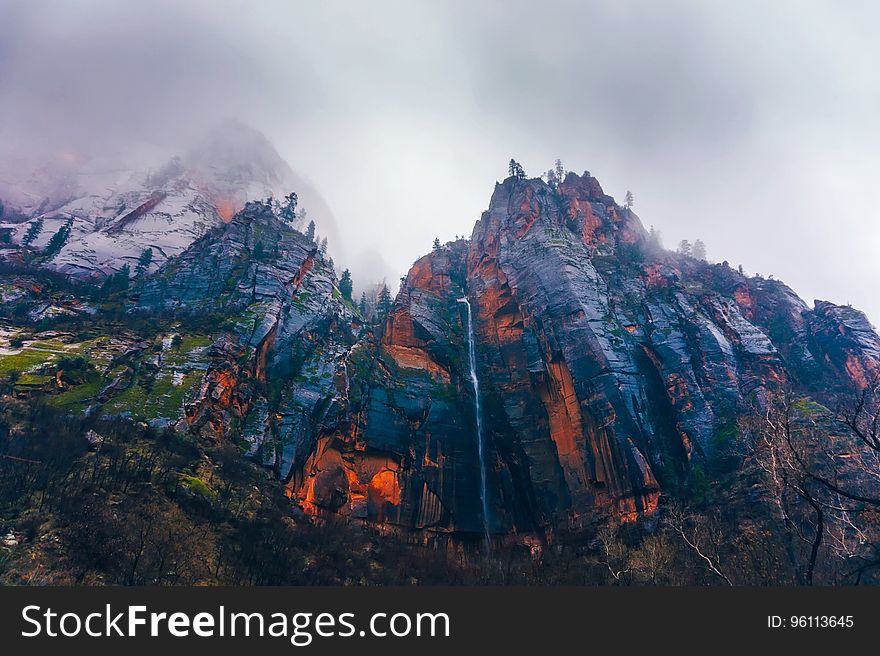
(610, 371)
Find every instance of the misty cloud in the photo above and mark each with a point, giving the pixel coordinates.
(749, 125)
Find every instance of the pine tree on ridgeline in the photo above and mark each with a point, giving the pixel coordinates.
(385, 302)
(345, 284)
(559, 171)
(515, 170)
(288, 209)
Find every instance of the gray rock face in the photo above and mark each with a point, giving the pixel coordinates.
(845, 340)
(610, 370)
(403, 450)
(284, 333)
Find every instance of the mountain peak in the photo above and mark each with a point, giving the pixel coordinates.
(235, 154)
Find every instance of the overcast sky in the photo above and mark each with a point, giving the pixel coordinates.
(751, 125)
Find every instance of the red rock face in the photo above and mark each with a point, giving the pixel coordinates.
(565, 429)
(403, 454)
(847, 343)
(303, 270)
(224, 399)
(608, 370)
(350, 483)
(150, 204)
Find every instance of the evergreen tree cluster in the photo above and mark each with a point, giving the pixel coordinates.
(697, 250)
(556, 175)
(33, 231)
(143, 263)
(117, 282)
(59, 239)
(514, 170)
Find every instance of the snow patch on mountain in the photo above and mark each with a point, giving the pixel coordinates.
(115, 214)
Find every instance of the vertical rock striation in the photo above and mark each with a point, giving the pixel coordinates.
(610, 370)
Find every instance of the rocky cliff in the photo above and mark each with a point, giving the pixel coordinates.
(611, 372)
(283, 329)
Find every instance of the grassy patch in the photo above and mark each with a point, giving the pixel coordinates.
(182, 353)
(198, 486)
(809, 408)
(80, 396)
(25, 360)
(30, 381)
(164, 401)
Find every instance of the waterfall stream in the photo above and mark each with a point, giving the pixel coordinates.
(481, 447)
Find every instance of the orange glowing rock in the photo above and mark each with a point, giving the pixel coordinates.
(226, 209)
(655, 278)
(385, 486)
(744, 299)
(414, 358)
(859, 372)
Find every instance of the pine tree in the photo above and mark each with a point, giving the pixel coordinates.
(56, 243)
(288, 209)
(699, 250)
(437, 245)
(345, 285)
(655, 241)
(560, 171)
(362, 305)
(385, 301)
(684, 247)
(117, 282)
(515, 170)
(122, 277)
(34, 230)
(143, 262)
(628, 200)
(323, 246)
(107, 287)
(310, 231)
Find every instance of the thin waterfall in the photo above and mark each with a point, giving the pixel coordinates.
(481, 447)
